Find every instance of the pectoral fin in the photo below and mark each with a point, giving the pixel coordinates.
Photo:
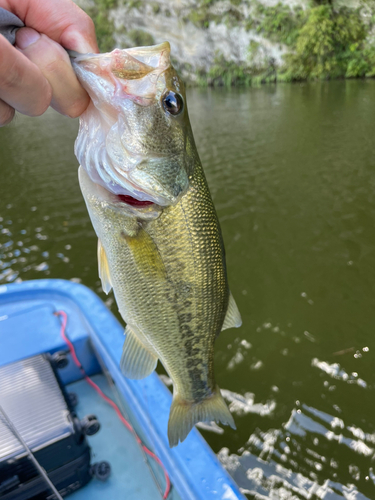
(104, 269)
(137, 360)
(233, 316)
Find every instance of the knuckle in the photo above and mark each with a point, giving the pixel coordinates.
(42, 104)
(9, 77)
(6, 114)
(11, 72)
(74, 112)
(40, 110)
(86, 23)
(23, 85)
(76, 108)
(53, 67)
(90, 26)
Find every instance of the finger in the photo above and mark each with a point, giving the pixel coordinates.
(6, 113)
(61, 20)
(68, 97)
(22, 84)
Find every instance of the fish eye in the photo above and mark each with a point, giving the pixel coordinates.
(173, 102)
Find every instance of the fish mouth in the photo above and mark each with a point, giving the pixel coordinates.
(124, 86)
(98, 194)
(121, 200)
(134, 202)
(132, 63)
(140, 188)
(142, 209)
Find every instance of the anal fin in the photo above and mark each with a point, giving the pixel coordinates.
(137, 360)
(233, 316)
(104, 269)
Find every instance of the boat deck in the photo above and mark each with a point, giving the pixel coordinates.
(130, 476)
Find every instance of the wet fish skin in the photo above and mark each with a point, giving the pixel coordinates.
(166, 265)
(127, 142)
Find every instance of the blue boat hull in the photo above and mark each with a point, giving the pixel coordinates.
(29, 327)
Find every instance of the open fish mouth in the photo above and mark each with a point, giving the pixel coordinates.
(101, 197)
(129, 200)
(129, 64)
(128, 142)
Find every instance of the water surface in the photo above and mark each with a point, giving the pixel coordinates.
(291, 171)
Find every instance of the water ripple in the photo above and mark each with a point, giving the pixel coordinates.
(291, 171)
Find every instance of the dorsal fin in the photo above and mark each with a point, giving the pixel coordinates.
(233, 316)
(104, 269)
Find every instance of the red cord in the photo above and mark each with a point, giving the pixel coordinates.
(109, 401)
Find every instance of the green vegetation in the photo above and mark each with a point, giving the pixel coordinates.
(201, 14)
(103, 26)
(324, 41)
(227, 73)
(134, 4)
(141, 38)
(155, 8)
(278, 23)
(204, 12)
(331, 44)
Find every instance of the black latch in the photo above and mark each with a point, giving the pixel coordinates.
(9, 484)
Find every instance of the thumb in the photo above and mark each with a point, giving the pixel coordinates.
(68, 97)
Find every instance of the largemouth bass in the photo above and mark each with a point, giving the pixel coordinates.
(160, 244)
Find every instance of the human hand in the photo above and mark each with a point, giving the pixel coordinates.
(37, 72)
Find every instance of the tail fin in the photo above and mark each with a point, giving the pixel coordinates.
(184, 415)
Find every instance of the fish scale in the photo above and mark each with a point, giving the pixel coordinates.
(165, 262)
(204, 274)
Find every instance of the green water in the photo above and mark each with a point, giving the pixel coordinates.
(291, 171)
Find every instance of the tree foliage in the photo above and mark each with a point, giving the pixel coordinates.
(325, 41)
(278, 22)
(331, 44)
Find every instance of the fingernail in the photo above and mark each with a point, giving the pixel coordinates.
(26, 37)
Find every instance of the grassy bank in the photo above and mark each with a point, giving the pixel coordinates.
(323, 42)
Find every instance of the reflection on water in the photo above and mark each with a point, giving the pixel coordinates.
(266, 466)
(291, 170)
